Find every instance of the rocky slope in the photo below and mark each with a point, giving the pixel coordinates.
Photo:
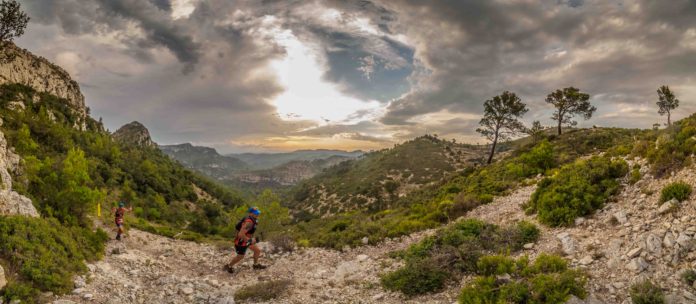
(21, 66)
(147, 268)
(134, 133)
(11, 202)
(627, 241)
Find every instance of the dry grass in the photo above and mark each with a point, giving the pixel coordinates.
(262, 291)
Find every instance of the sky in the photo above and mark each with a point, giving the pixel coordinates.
(264, 75)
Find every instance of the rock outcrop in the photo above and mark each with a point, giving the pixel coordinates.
(3, 280)
(11, 202)
(20, 66)
(135, 134)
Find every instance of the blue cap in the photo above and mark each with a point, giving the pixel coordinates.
(121, 204)
(254, 211)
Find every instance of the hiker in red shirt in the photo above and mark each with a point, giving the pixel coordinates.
(246, 228)
(119, 214)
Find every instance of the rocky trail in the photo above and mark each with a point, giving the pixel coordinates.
(147, 268)
(630, 239)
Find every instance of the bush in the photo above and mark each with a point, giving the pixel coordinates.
(547, 280)
(282, 243)
(635, 175)
(262, 291)
(677, 190)
(45, 254)
(457, 249)
(417, 277)
(576, 190)
(689, 277)
(646, 292)
(528, 232)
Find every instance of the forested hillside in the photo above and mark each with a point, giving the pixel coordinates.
(447, 197)
(67, 172)
(379, 179)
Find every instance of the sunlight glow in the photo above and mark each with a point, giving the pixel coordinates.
(307, 96)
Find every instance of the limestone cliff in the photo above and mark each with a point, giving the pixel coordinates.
(20, 66)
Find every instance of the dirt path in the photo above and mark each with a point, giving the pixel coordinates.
(147, 268)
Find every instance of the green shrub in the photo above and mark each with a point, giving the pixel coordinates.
(646, 292)
(635, 176)
(528, 231)
(417, 277)
(458, 249)
(262, 291)
(45, 254)
(537, 160)
(495, 265)
(677, 190)
(576, 190)
(689, 277)
(547, 280)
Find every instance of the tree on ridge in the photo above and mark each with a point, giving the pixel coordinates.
(666, 103)
(501, 119)
(568, 103)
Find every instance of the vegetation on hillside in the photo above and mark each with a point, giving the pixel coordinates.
(502, 279)
(374, 182)
(676, 190)
(41, 254)
(668, 149)
(454, 251)
(67, 172)
(444, 201)
(578, 189)
(646, 292)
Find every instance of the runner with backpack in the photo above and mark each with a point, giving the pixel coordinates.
(119, 214)
(245, 240)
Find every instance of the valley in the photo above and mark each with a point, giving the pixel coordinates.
(398, 179)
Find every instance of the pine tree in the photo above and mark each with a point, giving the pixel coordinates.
(568, 103)
(500, 119)
(666, 103)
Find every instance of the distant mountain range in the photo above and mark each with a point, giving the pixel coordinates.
(204, 160)
(269, 160)
(256, 171)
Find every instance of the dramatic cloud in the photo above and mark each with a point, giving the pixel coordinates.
(260, 75)
(618, 51)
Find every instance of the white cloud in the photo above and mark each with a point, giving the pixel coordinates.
(307, 95)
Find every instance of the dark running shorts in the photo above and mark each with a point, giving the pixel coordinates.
(240, 249)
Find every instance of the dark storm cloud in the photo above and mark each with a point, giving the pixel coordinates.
(225, 94)
(158, 26)
(164, 5)
(472, 50)
(416, 57)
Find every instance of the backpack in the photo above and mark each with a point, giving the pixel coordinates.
(241, 222)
